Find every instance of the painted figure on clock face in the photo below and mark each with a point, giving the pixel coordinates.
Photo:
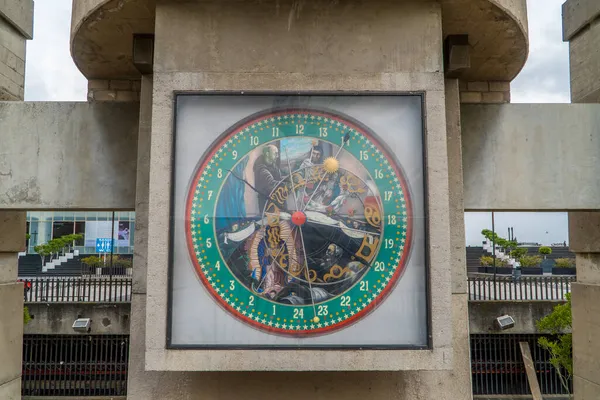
(321, 254)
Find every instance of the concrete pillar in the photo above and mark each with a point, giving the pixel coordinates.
(252, 67)
(16, 26)
(417, 385)
(584, 241)
(12, 240)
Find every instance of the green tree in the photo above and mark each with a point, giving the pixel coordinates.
(560, 345)
(518, 253)
(26, 316)
(545, 250)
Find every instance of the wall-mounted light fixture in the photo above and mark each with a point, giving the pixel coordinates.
(82, 325)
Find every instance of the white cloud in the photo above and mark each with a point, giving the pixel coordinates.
(50, 72)
(545, 78)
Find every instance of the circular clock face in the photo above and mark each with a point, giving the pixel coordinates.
(298, 221)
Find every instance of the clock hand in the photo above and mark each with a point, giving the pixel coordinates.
(345, 139)
(291, 179)
(346, 228)
(249, 185)
(315, 319)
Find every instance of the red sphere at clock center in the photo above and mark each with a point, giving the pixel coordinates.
(298, 218)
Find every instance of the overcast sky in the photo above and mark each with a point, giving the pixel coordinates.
(51, 75)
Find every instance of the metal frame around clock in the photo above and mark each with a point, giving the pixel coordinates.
(391, 156)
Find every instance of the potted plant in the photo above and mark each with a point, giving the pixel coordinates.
(564, 266)
(485, 262)
(487, 266)
(530, 265)
(545, 251)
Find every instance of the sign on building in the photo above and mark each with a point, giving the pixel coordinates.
(103, 245)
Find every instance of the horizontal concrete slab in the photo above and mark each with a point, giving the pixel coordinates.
(68, 155)
(531, 156)
(483, 314)
(58, 318)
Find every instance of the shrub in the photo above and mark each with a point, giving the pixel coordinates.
(530, 261)
(545, 250)
(486, 261)
(560, 345)
(518, 253)
(93, 261)
(564, 263)
(26, 316)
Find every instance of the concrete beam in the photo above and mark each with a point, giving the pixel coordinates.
(527, 156)
(58, 318)
(577, 14)
(68, 155)
(20, 14)
(482, 315)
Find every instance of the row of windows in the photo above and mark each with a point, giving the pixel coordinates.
(45, 226)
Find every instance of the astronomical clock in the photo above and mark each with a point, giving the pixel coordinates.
(297, 223)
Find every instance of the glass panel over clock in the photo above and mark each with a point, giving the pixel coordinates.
(298, 221)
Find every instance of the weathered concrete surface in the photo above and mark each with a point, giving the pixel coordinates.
(140, 249)
(584, 60)
(12, 62)
(577, 15)
(584, 240)
(455, 188)
(11, 390)
(584, 233)
(8, 267)
(11, 334)
(14, 226)
(58, 318)
(497, 30)
(12, 240)
(588, 266)
(586, 347)
(68, 155)
(527, 156)
(325, 38)
(482, 315)
(102, 35)
(20, 14)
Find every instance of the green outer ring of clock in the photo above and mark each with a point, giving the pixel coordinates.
(338, 311)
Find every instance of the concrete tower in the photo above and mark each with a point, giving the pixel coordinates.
(581, 28)
(16, 26)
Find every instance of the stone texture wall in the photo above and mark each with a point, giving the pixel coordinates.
(12, 62)
(584, 59)
(58, 318)
(113, 90)
(526, 157)
(12, 240)
(584, 241)
(492, 92)
(68, 155)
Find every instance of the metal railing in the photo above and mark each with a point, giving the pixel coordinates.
(75, 365)
(77, 289)
(522, 288)
(497, 366)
